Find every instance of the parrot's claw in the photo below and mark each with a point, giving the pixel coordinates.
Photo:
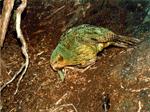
(82, 70)
(88, 67)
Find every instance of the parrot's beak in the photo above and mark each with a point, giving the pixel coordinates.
(55, 66)
(55, 69)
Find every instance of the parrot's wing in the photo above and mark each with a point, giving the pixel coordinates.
(103, 35)
(110, 37)
(100, 38)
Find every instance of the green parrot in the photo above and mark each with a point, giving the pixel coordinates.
(80, 45)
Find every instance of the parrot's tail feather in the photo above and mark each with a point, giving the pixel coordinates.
(128, 40)
(120, 44)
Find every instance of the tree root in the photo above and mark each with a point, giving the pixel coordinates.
(20, 36)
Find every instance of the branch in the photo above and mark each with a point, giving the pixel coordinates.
(6, 13)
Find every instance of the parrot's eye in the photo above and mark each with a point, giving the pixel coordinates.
(60, 58)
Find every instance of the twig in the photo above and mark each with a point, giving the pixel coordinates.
(13, 78)
(20, 36)
(134, 90)
(65, 105)
(62, 98)
(140, 106)
(55, 12)
(6, 13)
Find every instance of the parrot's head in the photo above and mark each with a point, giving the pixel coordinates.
(60, 58)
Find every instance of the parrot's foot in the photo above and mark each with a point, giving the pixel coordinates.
(82, 70)
(88, 67)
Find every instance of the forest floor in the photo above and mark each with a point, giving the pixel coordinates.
(41, 89)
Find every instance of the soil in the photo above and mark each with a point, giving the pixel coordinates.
(41, 89)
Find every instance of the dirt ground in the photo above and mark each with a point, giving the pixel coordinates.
(41, 89)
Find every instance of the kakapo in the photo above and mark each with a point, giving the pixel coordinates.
(79, 46)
